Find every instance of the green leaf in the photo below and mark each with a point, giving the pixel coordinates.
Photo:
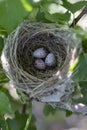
(18, 123)
(49, 110)
(3, 78)
(58, 17)
(5, 106)
(81, 74)
(1, 44)
(74, 7)
(49, 1)
(41, 15)
(84, 45)
(68, 113)
(33, 14)
(15, 104)
(3, 124)
(3, 32)
(83, 89)
(83, 86)
(12, 13)
(26, 5)
(85, 56)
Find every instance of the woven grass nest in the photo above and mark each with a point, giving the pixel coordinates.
(52, 85)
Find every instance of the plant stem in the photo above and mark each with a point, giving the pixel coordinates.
(6, 124)
(29, 118)
(24, 108)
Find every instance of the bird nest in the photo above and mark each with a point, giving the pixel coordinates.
(51, 85)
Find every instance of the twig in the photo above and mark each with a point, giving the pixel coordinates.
(75, 21)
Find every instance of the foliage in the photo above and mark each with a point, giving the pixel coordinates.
(5, 106)
(13, 13)
(18, 123)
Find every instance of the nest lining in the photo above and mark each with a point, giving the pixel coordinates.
(48, 41)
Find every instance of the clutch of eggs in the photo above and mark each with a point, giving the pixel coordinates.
(39, 64)
(43, 59)
(50, 60)
(40, 53)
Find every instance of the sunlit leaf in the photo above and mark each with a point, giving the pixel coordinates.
(26, 5)
(12, 13)
(50, 1)
(74, 7)
(58, 17)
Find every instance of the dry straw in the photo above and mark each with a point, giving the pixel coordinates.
(50, 85)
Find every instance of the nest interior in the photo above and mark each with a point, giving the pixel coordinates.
(26, 47)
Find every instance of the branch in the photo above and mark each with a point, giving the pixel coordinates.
(75, 21)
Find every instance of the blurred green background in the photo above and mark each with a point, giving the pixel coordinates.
(12, 13)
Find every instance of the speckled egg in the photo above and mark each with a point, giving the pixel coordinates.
(40, 53)
(39, 64)
(50, 60)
